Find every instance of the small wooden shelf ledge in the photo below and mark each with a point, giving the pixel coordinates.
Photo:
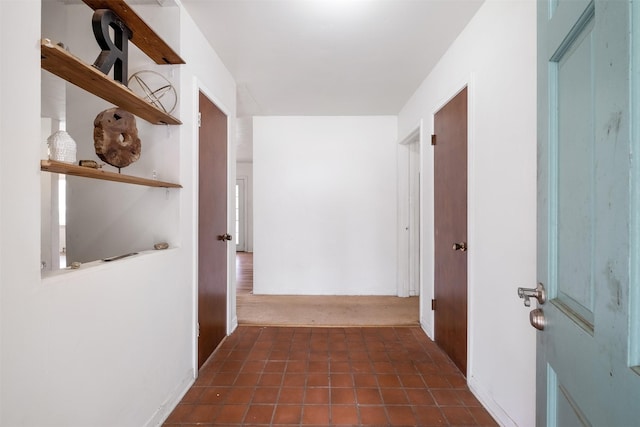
(143, 36)
(82, 171)
(64, 65)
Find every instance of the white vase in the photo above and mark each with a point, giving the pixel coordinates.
(62, 147)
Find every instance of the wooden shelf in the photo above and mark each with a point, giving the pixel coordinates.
(143, 36)
(85, 172)
(64, 65)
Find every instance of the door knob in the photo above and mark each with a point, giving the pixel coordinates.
(225, 237)
(538, 293)
(462, 246)
(537, 319)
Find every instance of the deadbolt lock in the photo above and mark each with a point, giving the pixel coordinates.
(462, 246)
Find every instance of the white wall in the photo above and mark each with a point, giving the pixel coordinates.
(109, 344)
(325, 205)
(496, 57)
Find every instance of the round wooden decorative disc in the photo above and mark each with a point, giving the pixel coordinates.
(115, 137)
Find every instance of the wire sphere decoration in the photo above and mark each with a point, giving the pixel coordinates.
(155, 89)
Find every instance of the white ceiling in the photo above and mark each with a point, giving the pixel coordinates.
(329, 57)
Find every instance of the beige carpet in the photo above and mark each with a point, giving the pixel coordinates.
(297, 310)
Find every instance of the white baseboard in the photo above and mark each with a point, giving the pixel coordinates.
(172, 401)
(490, 405)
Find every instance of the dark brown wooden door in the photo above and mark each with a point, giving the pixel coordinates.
(212, 223)
(450, 200)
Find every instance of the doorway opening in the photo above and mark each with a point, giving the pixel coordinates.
(409, 211)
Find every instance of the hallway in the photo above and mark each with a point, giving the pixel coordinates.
(338, 376)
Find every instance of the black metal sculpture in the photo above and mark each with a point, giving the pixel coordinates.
(114, 52)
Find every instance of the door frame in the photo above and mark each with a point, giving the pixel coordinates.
(405, 250)
(427, 317)
(232, 319)
(241, 238)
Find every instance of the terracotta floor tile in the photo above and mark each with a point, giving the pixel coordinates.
(420, 396)
(232, 414)
(338, 346)
(298, 355)
(259, 354)
(388, 381)
(287, 414)
(315, 415)
(429, 416)
(270, 376)
(436, 381)
(291, 395)
(342, 396)
(318, 380)
(252, 367)
(361, 366)
(401, 415)
(340, 366)
(458, 415)
(224, 378)
(320, 366)
(294, 380)
(201, 414)
(365, 380)
(394, 396)
(446, 397)
(368, 396)
(276, 366)
(265, 395)
(179, 414)
(383, 368)
(231, 366)
(467, 398)
(246, 380)
(457, 380)
(281, 355)
(341, 380)
(270, 380)
(339, 356)
(214, 395)
(259, 414)
(406, 366)
(193, 395)
(322, 356)
(297, 366)
(358, 355)
(411, 380)
(316, 396)
(482, 417)
(373, 416)
(240, 395)
(344, 415)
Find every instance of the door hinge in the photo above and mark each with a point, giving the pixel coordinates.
(199, 119)
(433, 304)
(433, 140)
(198, 329)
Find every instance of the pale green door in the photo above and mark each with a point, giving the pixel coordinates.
(587, 354)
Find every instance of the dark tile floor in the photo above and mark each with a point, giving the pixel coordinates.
(273, 376)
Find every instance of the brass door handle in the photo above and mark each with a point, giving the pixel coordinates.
(462, 246)
(225, 237)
